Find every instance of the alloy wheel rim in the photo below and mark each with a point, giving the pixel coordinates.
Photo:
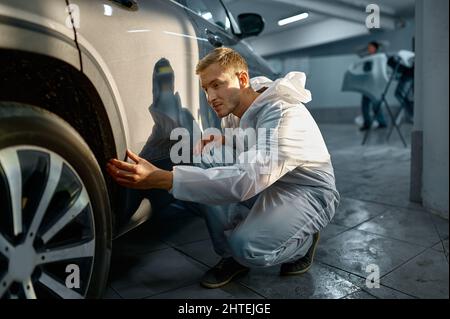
(47, 230)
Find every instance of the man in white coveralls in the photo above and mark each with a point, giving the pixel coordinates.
(265, 208)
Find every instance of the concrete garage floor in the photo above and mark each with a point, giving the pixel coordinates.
(375, 224)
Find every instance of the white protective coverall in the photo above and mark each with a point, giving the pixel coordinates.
(264, 212)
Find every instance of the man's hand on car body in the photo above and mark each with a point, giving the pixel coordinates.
(141, 175)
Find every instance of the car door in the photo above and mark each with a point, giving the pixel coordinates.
(146, 51)
(133, 46)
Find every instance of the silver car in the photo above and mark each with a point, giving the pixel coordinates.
(80, 82)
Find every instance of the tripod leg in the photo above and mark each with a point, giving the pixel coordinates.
(394, 123)
(367, 133)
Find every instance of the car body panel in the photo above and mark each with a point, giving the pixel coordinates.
(120, 52)
(38, 28)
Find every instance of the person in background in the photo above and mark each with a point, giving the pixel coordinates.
(366, 103)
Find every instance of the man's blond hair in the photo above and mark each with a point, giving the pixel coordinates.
(227, 58)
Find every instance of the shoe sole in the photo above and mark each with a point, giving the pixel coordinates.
(292, 273)
(223, 283)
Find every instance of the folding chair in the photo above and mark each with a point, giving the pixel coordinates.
(373, 83)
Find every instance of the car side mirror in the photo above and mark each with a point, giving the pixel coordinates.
(251, 24)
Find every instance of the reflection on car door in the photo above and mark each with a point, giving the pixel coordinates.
(135, 48)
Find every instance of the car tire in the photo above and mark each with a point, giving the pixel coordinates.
(55, 216)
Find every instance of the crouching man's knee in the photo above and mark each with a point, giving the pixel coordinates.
(247, 253)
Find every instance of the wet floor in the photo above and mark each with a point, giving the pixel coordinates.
(376, 228)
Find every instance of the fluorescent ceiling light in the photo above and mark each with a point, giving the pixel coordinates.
(139, 31)
(298, 17)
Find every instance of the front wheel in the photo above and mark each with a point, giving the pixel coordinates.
(55, 219)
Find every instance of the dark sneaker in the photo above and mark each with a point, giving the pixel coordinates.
(222, 273)
(381, 126)
(303, 264)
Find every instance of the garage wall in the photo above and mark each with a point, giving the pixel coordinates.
(325, 82)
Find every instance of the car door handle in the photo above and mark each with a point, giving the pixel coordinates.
(213, 38)
(127, 4)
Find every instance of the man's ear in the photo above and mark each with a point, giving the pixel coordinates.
(244, 79)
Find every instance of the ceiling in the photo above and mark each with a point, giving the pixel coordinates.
(328, 21)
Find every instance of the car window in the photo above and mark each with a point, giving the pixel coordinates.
(211, 10)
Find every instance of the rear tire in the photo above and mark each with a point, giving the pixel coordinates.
(55, 216)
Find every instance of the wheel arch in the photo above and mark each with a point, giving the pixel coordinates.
(60, 88)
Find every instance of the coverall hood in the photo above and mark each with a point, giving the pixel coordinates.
(291, 88)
